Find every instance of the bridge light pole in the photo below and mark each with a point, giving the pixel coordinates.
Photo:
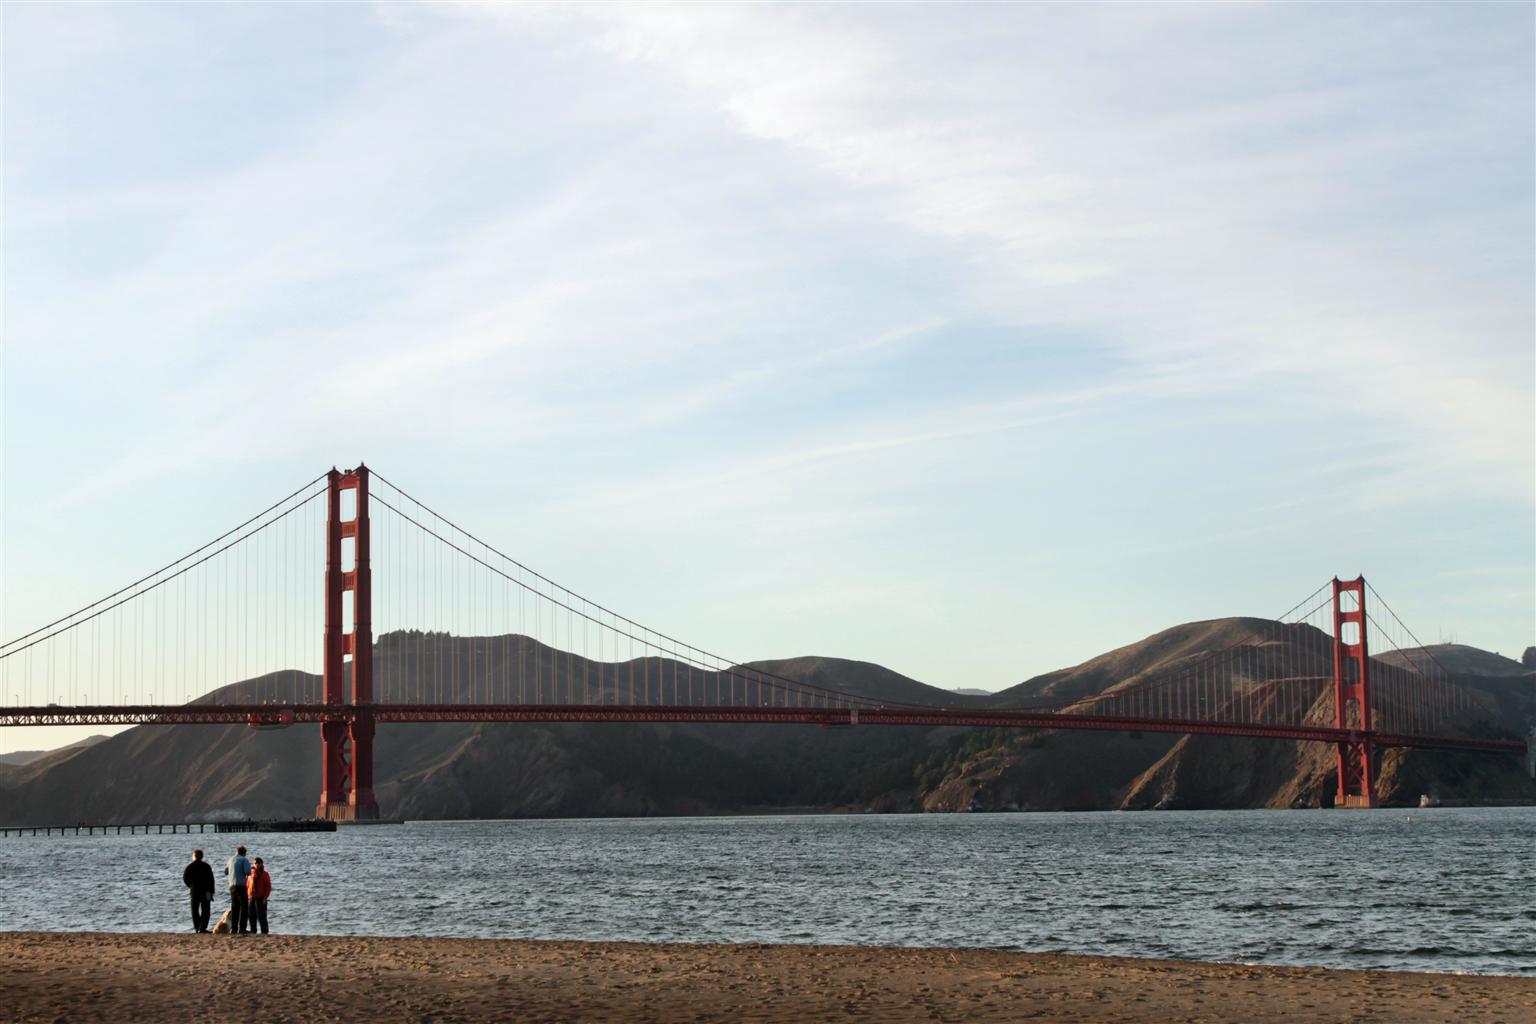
(346, 740)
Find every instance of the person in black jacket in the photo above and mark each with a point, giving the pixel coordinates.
(198, 877)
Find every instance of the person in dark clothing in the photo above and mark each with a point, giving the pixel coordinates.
(237, 872)
(198, 878)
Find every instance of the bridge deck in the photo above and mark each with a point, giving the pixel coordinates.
(296, 714)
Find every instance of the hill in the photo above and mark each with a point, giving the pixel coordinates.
(20, 757)
(502, 770)
(1161, 771)
(1459, 660)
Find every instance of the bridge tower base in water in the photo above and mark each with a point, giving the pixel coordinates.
(346, 771)
(1352, 695)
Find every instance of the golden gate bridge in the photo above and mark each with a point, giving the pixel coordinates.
(422, 621)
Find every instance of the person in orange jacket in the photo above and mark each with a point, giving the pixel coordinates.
(257, 888)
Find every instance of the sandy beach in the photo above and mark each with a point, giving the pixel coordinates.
(156, 977)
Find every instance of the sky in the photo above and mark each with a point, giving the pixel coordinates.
(973, 341)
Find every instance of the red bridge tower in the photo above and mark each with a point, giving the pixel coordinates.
(346, 788)
(1352, 695)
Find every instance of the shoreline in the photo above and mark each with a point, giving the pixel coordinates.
(795, 811)
(49, 976)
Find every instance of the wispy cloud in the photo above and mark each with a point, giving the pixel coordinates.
(1182, 181)
(942, 304)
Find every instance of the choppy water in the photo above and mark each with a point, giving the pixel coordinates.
(1452, 890)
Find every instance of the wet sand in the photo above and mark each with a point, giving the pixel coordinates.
(125, 977)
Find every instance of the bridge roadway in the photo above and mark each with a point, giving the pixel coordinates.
(276, 715)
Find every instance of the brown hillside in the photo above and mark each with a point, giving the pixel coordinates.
(1160, 652)
(481, 770)
(1457, 659)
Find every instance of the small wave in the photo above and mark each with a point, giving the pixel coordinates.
(1471, 954)
(1252, 908)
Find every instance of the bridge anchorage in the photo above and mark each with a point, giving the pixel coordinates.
(424, 622)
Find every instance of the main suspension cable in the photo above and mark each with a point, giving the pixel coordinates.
(674, 650)
(162, 569)
(73, 621)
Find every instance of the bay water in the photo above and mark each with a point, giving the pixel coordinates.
(1442, 889)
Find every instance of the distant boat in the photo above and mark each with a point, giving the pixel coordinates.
(1425, 800)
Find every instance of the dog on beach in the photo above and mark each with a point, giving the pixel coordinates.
(222, 928)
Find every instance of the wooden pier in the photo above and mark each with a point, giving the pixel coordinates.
(174, 828)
